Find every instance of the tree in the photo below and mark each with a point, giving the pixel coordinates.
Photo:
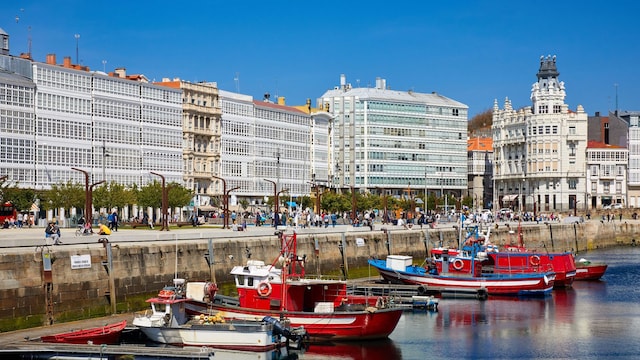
(20, 198)
(244, 204)
(150, 195)
(482, 121)
(64, 195)
(179, 196)
(112, 195)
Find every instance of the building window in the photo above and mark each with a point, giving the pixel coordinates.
(573, 184)
(543, 109)
(572, 130)
(556, 109)
(594, 187)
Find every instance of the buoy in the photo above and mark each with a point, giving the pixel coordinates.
(535, 260)
(458, 264)
(264, 289)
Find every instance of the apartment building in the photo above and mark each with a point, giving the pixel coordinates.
(268, 147)
(115, 127)
(390, 140)
(606, 174)
(539, 150)
(201, 134)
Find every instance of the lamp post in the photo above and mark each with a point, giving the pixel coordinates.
(384, 204)
(353, 205)
(426, 193)
(88, 196)
(104, 160)
(165, 203)
(275, 199)
(225, 224)
(226, 205)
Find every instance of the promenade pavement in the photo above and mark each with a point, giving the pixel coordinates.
(35, 236)
(29, 237)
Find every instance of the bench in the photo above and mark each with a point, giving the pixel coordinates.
(184, 223)
(135, 224)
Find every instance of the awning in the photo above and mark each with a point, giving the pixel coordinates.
(205, 208)
(509, 198)
(292, 204)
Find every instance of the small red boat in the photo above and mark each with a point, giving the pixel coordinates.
(588, 270)
(108, 335)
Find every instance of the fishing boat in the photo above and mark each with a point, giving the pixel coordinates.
(514, 258)
(322, 306)
(168, 323)
(588, 270)
(103, 335)
(461, 272)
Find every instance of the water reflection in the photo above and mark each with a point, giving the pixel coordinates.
(371, 350)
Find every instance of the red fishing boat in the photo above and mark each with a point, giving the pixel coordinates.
(588, 270)
(108, 335)
(516, 259)
(321, 306)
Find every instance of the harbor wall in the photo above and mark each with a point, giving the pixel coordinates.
(32, 297)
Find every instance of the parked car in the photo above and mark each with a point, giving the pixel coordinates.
(618, 206)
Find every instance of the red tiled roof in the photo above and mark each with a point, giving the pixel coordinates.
(592, 144)
(277, 106)
(480, 144)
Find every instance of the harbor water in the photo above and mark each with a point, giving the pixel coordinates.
(591, 320)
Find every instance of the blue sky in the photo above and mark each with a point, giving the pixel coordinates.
(470, 51)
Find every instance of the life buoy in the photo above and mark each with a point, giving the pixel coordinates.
(264, 289)
(166, 293)
(534, 260)
(458, 264)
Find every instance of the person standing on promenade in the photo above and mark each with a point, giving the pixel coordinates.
(114, 220)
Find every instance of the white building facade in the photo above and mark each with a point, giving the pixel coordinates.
(539, 150)
(633, 185)
(270, 148)
(606, 174)
(65, 116)
(395, 140)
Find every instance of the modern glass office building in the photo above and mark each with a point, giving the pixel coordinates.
(398, 141)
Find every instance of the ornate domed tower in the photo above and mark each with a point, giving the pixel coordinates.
(547, 95)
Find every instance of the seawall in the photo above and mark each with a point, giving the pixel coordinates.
(79, 284)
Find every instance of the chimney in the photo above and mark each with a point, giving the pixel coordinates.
(121, 72)
(343, 81)
(51, 59)
(281, 100)
(597, 113)
(66, 62)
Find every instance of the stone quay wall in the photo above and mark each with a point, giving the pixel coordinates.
(29, 298)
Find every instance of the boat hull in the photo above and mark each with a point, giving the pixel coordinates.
(501, 285)
(590, 272)
(334, 326)
(105, 335)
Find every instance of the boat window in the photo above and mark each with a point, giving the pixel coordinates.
(239, 280)
(250, 282)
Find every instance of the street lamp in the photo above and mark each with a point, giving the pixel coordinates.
(384, 204)
(225, 224)
(165, 203)
(275, 205)
(226, 205)
(353, 205)
(88, 196)
(104, 159)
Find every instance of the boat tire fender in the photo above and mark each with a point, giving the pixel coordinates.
(422, 290)
(264, 289)
(534, 260)
(458, 264)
